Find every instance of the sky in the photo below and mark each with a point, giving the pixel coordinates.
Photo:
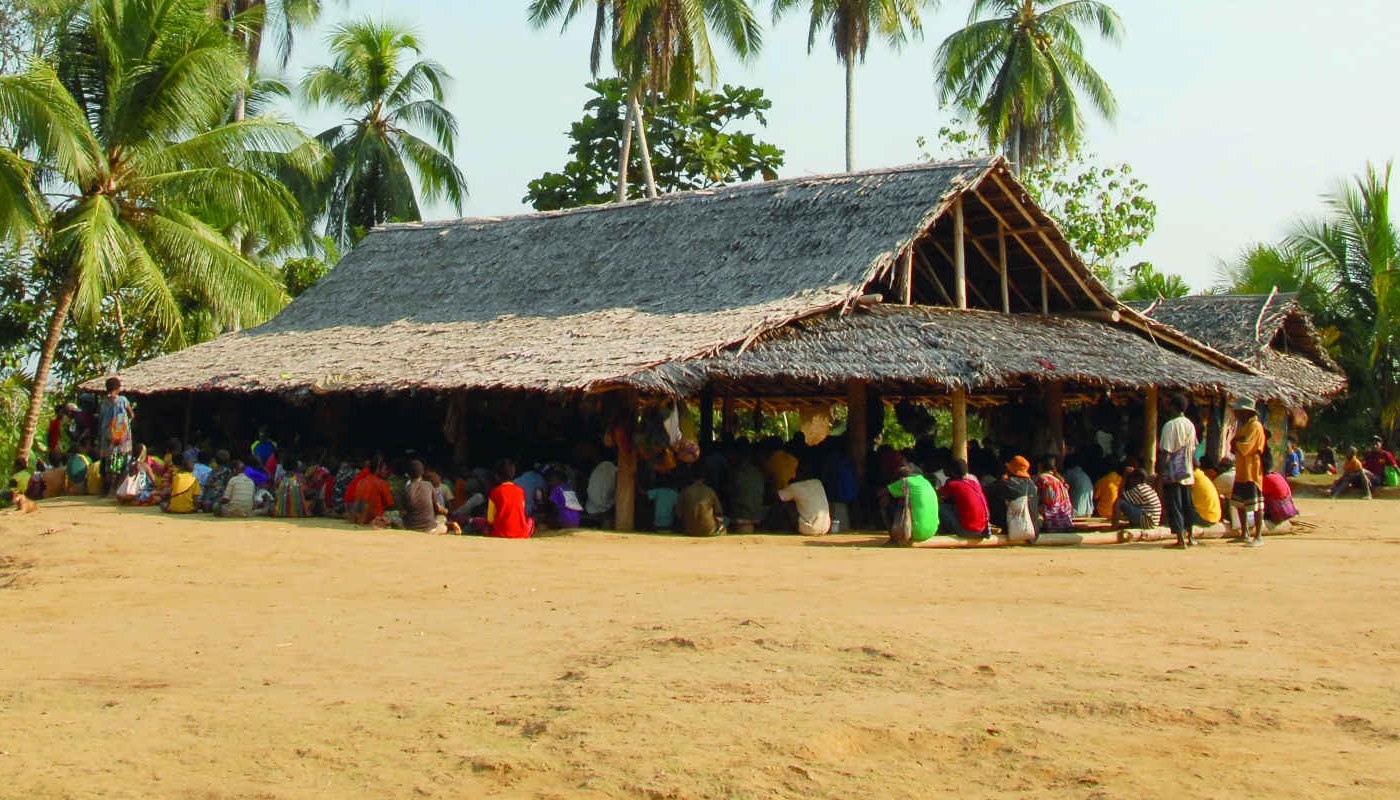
(1238, 114)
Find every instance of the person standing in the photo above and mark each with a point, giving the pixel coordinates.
(1248, 492)
(114, 426)
(1177, 446)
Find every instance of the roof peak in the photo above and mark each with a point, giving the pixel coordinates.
(967, 164)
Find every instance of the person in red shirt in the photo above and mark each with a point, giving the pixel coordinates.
(964, 511)
(353, 504)
(505, 508)
(1376, 460)
(374, 496)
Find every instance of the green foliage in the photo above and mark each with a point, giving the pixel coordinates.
(300, 274)
(694, 146)
(380, 165)
(1103, 210)
(28, 29)
(1019, 68)
(1146, 283)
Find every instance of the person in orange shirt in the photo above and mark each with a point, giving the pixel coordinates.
(373, 496)
(505, 508)
(1248, 493)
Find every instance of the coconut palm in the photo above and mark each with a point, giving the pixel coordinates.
(658, 47)
(1019, 66)
(851, 23)
(259, 18)
(19, 206)
(1262, 268)
(129, 124)
(374, 151)
(1358, 246)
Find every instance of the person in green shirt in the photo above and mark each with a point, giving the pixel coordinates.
(19, 482)
(923, 503)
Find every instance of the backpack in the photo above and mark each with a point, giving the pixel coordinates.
(1178, 467)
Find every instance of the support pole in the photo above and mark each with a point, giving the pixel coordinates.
(1001, 263)
(959, 256)
(1149, 434)
(1045, 294)
(727, 422)
(626, 498)
(1055, 413)
(960, 424)
(906, 277)
(707, 418)
(857, 431)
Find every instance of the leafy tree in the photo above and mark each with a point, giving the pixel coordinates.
(375, 152)
(130, 125)
(1146, 283)
(1103, 210)
(300, 274)
(851, 23)
(1018, 66)
(660, 48)
(695, 146)
(28, 29)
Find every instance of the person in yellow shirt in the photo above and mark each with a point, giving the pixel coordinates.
(781, 468)
(184, 489)
(1106, 493)
(1248, 494)
(1206, 499)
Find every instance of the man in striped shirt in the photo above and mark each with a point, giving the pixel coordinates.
(1139, 505)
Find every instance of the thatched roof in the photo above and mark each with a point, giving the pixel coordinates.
(903, 349)
(1270, 332)
(602, 297)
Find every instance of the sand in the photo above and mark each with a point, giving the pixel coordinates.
(151, 656)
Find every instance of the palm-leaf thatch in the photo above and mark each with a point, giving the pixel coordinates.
(662, 294)
(1270, 332)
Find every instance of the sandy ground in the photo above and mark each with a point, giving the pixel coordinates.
(148, 656)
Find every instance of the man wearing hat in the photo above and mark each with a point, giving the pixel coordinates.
(1248, 493)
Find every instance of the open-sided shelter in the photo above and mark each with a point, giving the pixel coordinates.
(940, 281)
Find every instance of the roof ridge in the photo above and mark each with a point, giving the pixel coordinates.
(981, 163)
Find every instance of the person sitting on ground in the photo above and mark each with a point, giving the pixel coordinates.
(1224, 482)
(1205, 500)
(1376, 460)
(532, 482)
(567, 508)
(78, 466)
(19, 482)
(290, 496)
(813, 511)
(505, 507)
(1325, 462)
(219, 475)
(184, 490)
(422, 511)
(1139, 506)
(1293, 459)
(263, 450)
(1278, 498)
(922, 500)
(316, 486)
(353, 506)
(236, 500)
(138, 486)
(602, 490)
(1015, 483)
(964, 510)
(1081, 488)
(1056, 506)
(1106, 491)
(373, 500)
(1353, 476)
(55, 478)
(340, 486)
(663, 498)
(745, 489)
(781, 466)
(701, 513)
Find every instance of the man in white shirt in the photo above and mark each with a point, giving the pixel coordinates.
(602, 489)
(813, 511)
(238, 493)
(1177, 465)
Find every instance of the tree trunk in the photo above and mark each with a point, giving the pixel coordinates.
(121, 332)
(640, 119)
(64, 301)
(850, 112)
(625, 155)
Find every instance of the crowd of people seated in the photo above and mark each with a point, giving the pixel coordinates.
(735, 485)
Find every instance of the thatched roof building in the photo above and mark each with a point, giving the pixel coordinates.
(759, 286)
(1270, 332)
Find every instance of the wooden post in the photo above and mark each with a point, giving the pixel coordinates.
(1005, 276)
(626, 498)
(960, 424)
(906, 277)
(1055, 413)
(707, 417)
(727, 422)
(1149, 437)
(1044, 293)
(959, 256)
(857, 431)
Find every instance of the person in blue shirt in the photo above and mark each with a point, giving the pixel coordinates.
(1293, 460)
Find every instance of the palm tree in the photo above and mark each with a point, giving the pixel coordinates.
(1261, 268)
(282, 18)
(1018, 70)
(374, 151)
(1358, 246)
(851, 23)
(658, 47)
(130, 125)
(19, 205)
(1146, 283)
